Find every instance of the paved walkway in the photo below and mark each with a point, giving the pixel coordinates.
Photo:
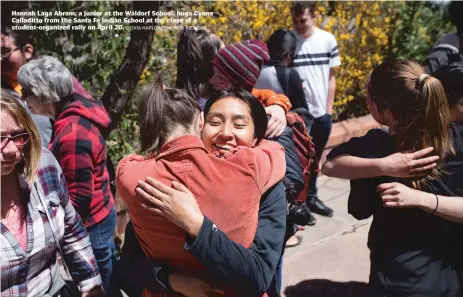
(333, 259)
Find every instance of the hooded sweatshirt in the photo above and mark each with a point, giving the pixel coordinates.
(80, 148)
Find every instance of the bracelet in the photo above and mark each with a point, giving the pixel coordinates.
(437, 204)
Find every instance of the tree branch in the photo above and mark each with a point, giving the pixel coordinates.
(123, 83)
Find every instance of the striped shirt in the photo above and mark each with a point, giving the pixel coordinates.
(315, 56)
(35, 271)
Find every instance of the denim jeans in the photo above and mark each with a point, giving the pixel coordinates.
(102, 240)
(320, 132)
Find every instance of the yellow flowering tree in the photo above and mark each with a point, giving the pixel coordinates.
(367, 33)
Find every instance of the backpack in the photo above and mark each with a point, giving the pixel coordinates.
(298, 120)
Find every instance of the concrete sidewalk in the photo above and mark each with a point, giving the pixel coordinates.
(333, 259)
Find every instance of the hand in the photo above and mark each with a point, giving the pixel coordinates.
(95, 292)
(399, 195)
(277, 123)
(408, 164)
(176, 204)
(190, 286)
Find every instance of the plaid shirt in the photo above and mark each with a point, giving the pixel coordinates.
(35, 272)
(79, 146)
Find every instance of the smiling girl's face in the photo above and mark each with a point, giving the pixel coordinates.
(228, 124)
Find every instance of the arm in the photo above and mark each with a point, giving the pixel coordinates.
(252, 269)
(350, 167)
(449, 208)
(74, 154)
(399, 195)
(277, 107)
(335, 61)
(395, 165)
(269, 98)
(77, 251)
(331, 92)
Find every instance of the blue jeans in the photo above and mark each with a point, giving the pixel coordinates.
(320, 132)
(102, 240)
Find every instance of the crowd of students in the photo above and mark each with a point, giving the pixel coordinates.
(211, 189)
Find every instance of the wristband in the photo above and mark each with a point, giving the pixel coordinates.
(437, 204)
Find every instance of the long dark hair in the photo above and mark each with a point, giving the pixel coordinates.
(258, 114)
(419, 105)
(195, 50)
(281, 45)
(162, 110)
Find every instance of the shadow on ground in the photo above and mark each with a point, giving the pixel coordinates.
(326, 288)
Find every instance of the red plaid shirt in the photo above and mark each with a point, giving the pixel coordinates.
(80, 148)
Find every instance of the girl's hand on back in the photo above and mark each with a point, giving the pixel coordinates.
(277, 122)
(405, 165)
(176, 204)
(399, 195)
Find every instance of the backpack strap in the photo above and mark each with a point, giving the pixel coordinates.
(283, 78)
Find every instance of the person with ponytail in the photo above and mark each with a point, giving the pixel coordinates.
(195, 50)
(448, 207)
(412, 252)
(219, 215)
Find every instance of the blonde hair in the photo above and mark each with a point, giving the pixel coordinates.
(32, 150)
(419, 104)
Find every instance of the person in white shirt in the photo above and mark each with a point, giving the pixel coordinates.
(317, 55)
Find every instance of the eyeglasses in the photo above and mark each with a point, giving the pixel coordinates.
(19, 140)
(6, 52)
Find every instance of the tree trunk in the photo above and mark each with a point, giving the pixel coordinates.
(123, 83)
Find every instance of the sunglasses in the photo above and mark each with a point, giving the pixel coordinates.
(19, 140)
